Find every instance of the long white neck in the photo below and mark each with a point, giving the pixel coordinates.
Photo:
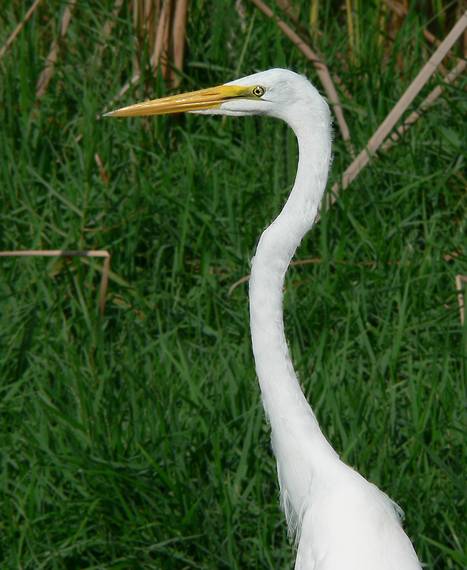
(298, 442)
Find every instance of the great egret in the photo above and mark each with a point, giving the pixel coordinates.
(340, 520)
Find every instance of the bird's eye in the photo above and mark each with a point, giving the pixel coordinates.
(258, 91)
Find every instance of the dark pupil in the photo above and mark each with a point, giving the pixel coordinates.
(258, 91)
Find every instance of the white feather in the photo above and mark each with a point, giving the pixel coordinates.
(340, 521)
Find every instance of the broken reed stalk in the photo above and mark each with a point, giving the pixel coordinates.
(51, 60)
(19, 27)
(397, 111)
(72, 253)
(321, 68)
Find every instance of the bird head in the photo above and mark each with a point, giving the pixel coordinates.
(277, 92)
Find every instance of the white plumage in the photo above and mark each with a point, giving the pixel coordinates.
(340, 520)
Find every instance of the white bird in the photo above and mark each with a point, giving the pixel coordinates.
(339, 519)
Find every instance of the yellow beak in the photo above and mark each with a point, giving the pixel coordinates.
(211, 98)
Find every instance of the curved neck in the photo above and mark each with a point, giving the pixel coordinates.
(283, 399)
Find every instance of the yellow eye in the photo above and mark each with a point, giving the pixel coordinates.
(258, 91)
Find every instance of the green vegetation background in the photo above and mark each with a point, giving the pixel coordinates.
(137, 440)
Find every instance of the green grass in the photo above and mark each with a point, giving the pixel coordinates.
(137, 440)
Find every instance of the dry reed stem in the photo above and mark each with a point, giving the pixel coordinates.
(164, 58)
(159, 37)
(161, 44)
(460, 280)
(71, 253)
(320, 66)
(151, 14)
(12, 37)
(171, 26)
(429, 100)
(178, 37)
(146, 14)
(395, 114)
(51, 60)
(136, 10)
